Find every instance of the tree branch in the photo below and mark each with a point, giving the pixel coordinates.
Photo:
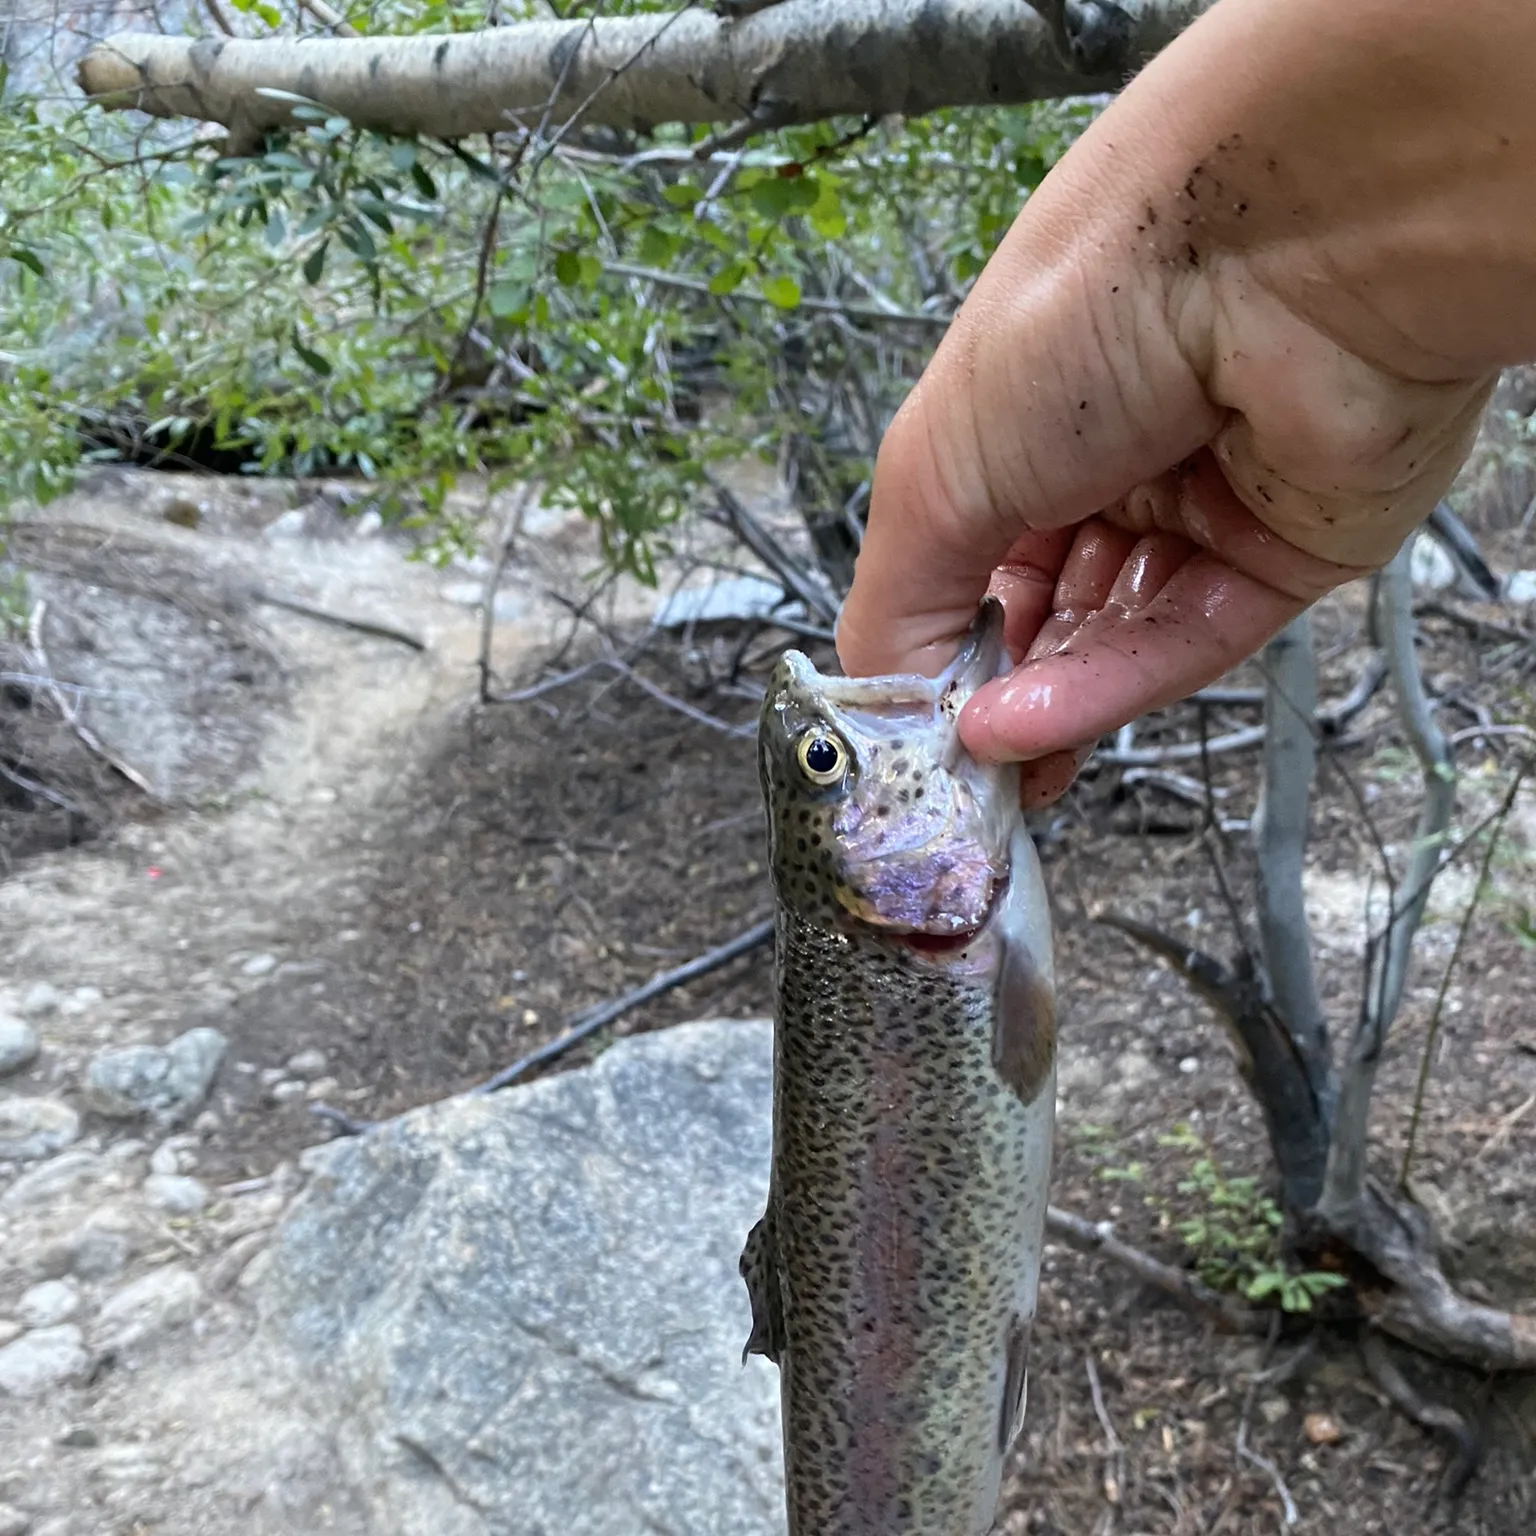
(1290, 761)
(1388, 970)
(795, 62)
(1179, 1284)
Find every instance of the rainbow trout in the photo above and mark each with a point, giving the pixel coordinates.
(893, 1275)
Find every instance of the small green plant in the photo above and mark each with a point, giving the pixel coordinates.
(1233, 1237)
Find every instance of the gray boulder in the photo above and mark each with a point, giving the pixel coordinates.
(169, 1082)
(18, 1044)
(522, 1313)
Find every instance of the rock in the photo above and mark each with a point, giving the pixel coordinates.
(259, 965)
(33, 1128)
(1429, 566)
(321, 1088)
(58, 1175)
(48, 1303)
(41, 997)
(95, 1252)
(153, 1304)
(287, 1092)
(290, 525)
(13, 1522)
(125, 1081)
(175, 1193)
(1520, 587)
(81, 1000)
(525, 1309)
(18, 1044)
(307, 1064)
(42, 1359)
(9, 1331)
(174, 1155)
(78, 1437)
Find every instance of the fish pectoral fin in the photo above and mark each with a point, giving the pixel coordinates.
(1023, 1023)
(1015, 1383)
(760, 1269)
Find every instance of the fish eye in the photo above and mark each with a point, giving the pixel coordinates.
(823, 758)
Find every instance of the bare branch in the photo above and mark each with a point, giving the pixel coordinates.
(1432, 1034)
(810, 586)
(329, 616)
(790, 63)
(1345, 1180)
(1268, 1056)
(1280, 835)
(1179, 1284)
(1384, 1372)
(588, 1023)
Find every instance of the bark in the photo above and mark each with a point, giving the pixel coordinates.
(795, 62)
(1345, 1183)
(1290, 761)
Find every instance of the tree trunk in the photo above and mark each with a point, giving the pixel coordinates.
(796, 62)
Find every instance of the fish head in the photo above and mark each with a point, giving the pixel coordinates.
(877, 815)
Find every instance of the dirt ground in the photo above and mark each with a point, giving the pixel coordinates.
(352, 855)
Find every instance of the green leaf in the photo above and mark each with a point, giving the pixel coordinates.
(782, 291)
(313, 359)
(683, 194)
(29, 259)
(268, 13)
(567, 268)
(657, 246)
(314, 263)
(424, 183)
(728, 279)
(508, 299)
(589, 271)
(277, 228)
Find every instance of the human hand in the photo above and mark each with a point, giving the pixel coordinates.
(1234, 349)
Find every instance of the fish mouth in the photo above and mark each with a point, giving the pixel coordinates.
(940, 944)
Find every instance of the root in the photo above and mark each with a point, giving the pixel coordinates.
(1469, 1447)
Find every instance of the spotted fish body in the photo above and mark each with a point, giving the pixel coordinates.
(893, 1275)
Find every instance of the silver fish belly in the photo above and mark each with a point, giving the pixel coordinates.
(894, 1273)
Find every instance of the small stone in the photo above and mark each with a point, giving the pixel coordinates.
(270, 1075)
(1520, 587)
(1322, 1429)
(42, 1359)
(259, 965)
(48, 1303)
(164, 1159)
(206, 1124)
(79, 1437)
(18, 1044)
(97, 1253)
(33, 1128)
(59, 1174)
(125, 1081)
(161, 1300)
(40, 998)
(1189, 1065)
(175, 1194)
(322, 1088)
(81, 1000)
(307, 1064)
(289, 526)
(1273, 1409)
(13, 1522)
(286, 1092)
(368, 524)
(121, 1153)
